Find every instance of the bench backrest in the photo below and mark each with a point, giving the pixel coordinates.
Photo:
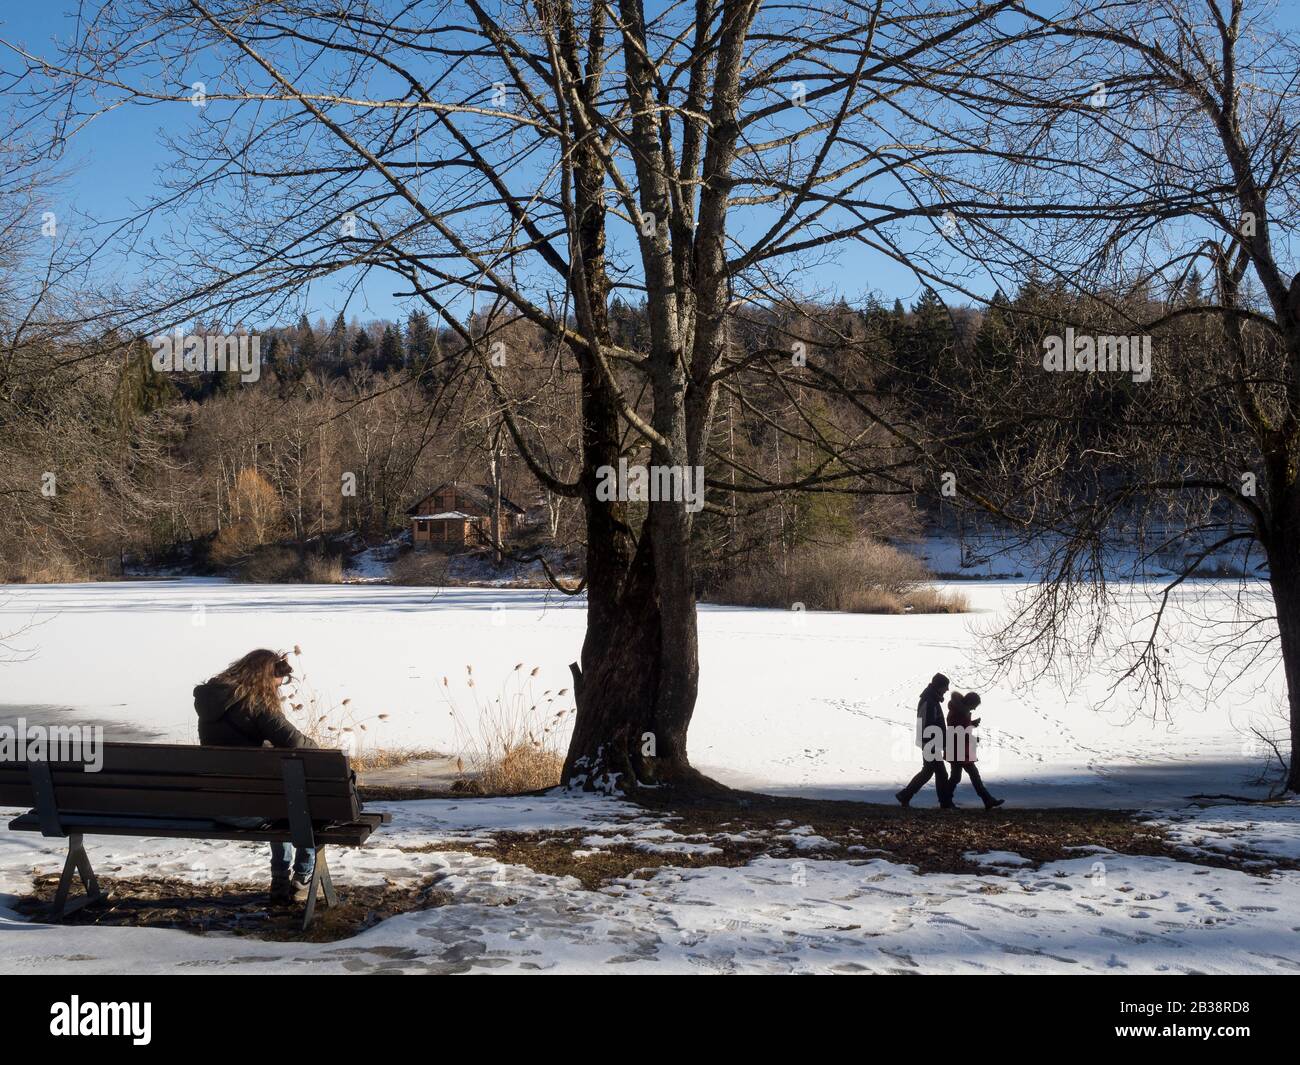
(170, 780)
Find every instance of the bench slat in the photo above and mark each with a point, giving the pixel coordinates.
(173, 780)
(176, 791)
(12, 776)
(191, 760)
(351, 834)
(174, 802)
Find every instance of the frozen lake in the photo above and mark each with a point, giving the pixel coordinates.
(790, 702)
(809, 704)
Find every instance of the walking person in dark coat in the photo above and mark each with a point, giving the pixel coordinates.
(240, 707)
(961, 746)
(930, 737)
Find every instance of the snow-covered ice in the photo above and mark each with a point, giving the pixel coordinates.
(791, 703)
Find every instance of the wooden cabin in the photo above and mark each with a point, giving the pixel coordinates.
(457, 515)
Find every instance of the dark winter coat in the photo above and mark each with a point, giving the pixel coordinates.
(960, 746)
(225, 721)
(929, 714)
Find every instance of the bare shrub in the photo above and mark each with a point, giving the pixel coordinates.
(513, 743)
(854, 577)
(876, 601)
(322, 569)
(425, 568)
(931, 600)
(274, 564)
(755, 586)
(230, 545)
(271, 565)
(55, 568)
(863, 577)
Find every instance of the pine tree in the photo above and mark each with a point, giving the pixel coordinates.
(141, 389)
(307, 345)
(923, 344)
(390, 350)
(338, 341)
(419, 340)
(998, 336)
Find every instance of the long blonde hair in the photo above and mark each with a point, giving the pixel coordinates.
(256, 677)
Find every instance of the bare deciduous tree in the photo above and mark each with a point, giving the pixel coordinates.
(531, 163)
(1141, 147)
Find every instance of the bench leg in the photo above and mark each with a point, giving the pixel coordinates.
(78, 861)
(326, 884)
(320, 880)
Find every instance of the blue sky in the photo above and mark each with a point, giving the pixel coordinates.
(114, 162)
(117, 160)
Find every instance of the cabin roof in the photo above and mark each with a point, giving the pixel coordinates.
(479, 493)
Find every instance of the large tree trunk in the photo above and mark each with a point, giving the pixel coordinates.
(635, 685)
(636, 682)
(1284, 577)
(634, 698)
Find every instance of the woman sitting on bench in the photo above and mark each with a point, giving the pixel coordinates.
(240, 707)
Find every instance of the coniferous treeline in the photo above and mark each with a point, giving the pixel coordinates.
(108, 460)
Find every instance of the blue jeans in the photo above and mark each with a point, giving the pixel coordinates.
(303, 861)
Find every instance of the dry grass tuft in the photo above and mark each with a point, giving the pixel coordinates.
(864, 577)
(514, 742)
(329, 724)
(522, 768)
(932, 600)
(420, 568)
(371, 759)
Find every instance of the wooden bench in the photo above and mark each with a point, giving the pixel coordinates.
(306, 797)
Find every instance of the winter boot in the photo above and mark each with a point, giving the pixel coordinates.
(290, 890)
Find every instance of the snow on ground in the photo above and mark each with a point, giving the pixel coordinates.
(372, 564)
(993, 555)
(790, 702)
(997, 858)
(474, 820)
(1098, 913)
(1251, 831)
